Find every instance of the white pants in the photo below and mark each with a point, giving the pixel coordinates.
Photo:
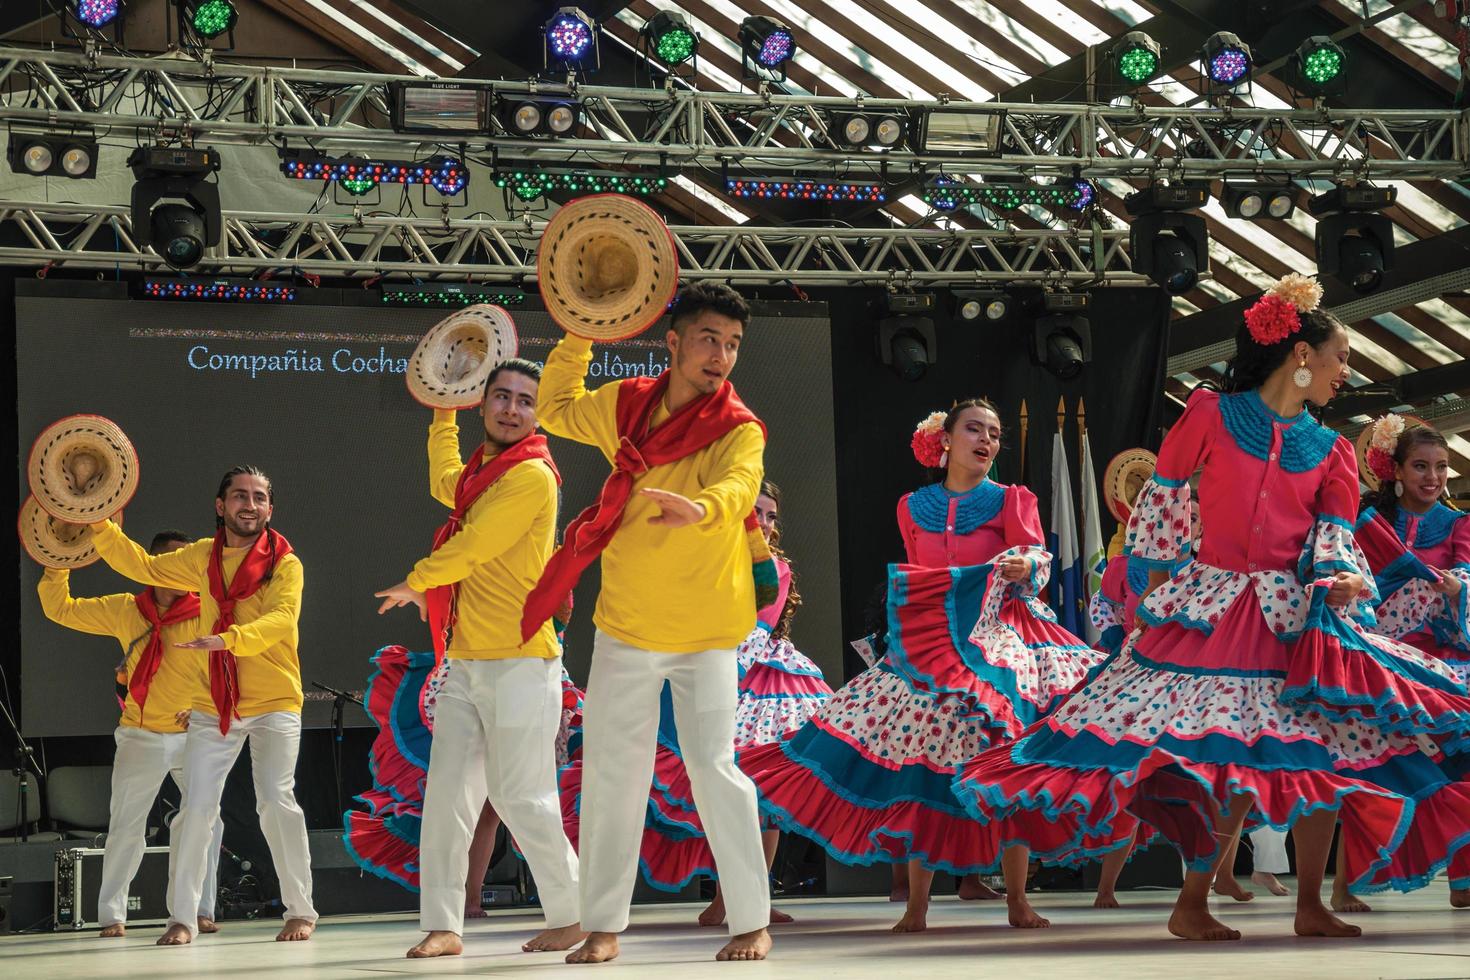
(495, 727)
(142, 760)
(1268, 851)
(621, 724)
(275, 740)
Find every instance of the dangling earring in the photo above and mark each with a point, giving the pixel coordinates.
(1398, 488)
(944, 459)
(1302, 376)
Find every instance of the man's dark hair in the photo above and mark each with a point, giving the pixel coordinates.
(697, 297)
(270, 490)
(169, 536)
(519, 365)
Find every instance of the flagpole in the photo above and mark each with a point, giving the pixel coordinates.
(1025, 419)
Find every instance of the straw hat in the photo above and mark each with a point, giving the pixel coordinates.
(449, 367)
(1124, 477)
(83, 469)
(1365, 439)
(607, 267)
(54, 543)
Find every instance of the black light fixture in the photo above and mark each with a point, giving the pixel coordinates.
(1169, 246)
(1321, 65)
(1062, 343)
(858, 130)
(570, 40)
(907, 345)
(670, 37)
(536, 115)
(1354, 242)
(1137, 58)
(48, 155)
(982, 305)
(766, 47)
(174, 208)
(201, 21)
(1259, 202)
(1225, 62)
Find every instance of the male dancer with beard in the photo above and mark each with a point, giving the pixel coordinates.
(249, 586)
(677, 598)
(497, 716)
(155, 683)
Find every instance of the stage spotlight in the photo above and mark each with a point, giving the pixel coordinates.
(210, 18)
(52, 156)
(1138, 58)
(1354, 244)
(671, 37)
(768, 43)
(1062, 343)
(991, 306)
(1170, 247)
(907, 345)
(537, 116)
(857, 130)
(1227, 60)
(174, 209)
(570, 36)
(1257, 202)
(95, 13)
(1320, 62)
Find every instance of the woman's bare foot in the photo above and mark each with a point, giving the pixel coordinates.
(1199, 925)
(113, 931)
(555, 940)
(1346, 901)
(296, 931)
(1227, 885)
(1269, 882)
(1106, 900)
(1022, 915)
(474, 912)
(899, 893)
(1317, 921)
(175, 935)
(972, 889)
(206, 924)
(441, 943)
(779, 918)
(598, 948)
(914, 920)
(714, 914)
(1460, 898)
(747, 946)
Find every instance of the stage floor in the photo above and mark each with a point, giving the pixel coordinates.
(1412, 936)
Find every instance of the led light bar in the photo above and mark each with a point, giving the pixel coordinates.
(450, 295)
(219, 290)
(846, 191)
(358, 175)
(947, 194)
(532, 185)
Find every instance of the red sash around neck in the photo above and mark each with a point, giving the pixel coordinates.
(254, 571)
(184, 608)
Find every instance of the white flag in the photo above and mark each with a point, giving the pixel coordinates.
(1068, 598)
(1094, 551)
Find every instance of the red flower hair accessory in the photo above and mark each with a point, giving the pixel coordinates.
(928, 440)
(1277, 314)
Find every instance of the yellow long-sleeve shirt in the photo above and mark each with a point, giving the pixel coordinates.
(182, 673)
(674, 590)
(264, 636)
(497, 556)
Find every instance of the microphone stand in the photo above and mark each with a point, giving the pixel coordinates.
(24, 754)
(339, 706)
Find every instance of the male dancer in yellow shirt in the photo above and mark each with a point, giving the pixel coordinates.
(249, 584)
(677, 598)
(497, 716)
(157, 683)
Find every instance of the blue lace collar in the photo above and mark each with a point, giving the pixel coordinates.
(1305, 442)
(1435, 524)
(929, 507)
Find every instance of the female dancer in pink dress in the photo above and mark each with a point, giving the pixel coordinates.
(971, 657)
(1251, 693)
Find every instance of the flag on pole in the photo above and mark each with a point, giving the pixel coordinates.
(1094, 551)
(1068, 598)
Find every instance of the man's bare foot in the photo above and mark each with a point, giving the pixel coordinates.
(1269, 882)
(474, 912)
(1227, 885)
(1320, 922)
(555, 940)
(441, 943)
(206, 924)
(1200, 925)
(1106, 900)
(1022, 915)
(972, 889)
(295, 931)
(779, 918)
(175, 935)
(1346, 901)
(714, 915)
(746, 946)
(1460, 898)
(914, 920)
(113, 931)
(599, 948)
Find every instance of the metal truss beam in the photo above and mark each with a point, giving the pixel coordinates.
(192, 101)
(361, 246)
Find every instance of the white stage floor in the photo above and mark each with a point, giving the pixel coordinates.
(1412, 936)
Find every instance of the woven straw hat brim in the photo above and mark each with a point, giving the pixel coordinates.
(449, 367)
(54, 543)
(1125, 475)
(610, 224)
(67, 450)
